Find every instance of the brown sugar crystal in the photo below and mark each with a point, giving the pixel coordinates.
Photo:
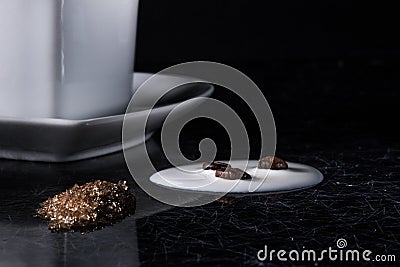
(88, 207)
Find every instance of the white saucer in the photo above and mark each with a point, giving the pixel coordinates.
(61, 140)
(194, 178)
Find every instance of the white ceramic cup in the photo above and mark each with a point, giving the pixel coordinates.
(66, 58)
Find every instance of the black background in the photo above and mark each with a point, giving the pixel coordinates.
(239, 31)
(320, 64)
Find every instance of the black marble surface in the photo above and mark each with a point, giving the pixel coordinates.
(328, 116)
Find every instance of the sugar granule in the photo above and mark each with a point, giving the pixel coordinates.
(88, 207)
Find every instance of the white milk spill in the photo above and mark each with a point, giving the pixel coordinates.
(194, 178)
(66, 58)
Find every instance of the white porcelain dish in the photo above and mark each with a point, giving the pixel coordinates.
(194, 178)
(60, 140)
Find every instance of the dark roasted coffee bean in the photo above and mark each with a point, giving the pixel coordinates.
(232, 174)
(215, 165)
(273, 163)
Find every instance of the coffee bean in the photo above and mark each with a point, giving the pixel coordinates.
(232, 174)
(215, 165)
(273, 163)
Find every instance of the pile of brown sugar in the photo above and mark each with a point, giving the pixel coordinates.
(88, 207)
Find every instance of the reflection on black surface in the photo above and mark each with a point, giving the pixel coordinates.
(358, 201)
(25, 239)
